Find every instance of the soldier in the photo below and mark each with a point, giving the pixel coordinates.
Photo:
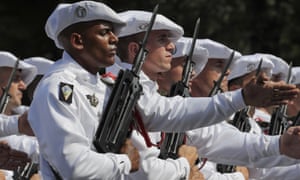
(279, 73)
(152, 167)
(240, 74)
(62, 116)
(42, 64)
(28, 144)
(74, 84)
(210, 140)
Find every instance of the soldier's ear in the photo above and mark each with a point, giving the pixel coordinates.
(76, 41)
(133, 48)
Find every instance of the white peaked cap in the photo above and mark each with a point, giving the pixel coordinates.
(200, 54)
(83, 11)
(217, 50)
(281, 67)
(295, 75)
(249, 63)
(42, 64)
(28, 73)
(138, 21)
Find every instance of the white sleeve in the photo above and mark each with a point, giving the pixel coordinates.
(63, 140)
(24, 143)
(8, 125)
(225, 144)
(153, 167)
(276, 173)
(210, 173)
(181, 114)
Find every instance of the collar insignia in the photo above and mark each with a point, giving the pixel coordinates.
(93, 99)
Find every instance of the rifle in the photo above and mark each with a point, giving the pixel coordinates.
(279, 120)
(241, 118)
(242, 122)
(27, 172)
(216, 89)
(118, 114)
(5, 96)
(296, 120)
(174, 140)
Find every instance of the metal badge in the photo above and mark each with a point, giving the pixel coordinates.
(80, 12)
(143, 26)
(65, 92)
(93, 100)
(251, 67)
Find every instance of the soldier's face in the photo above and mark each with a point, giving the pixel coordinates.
(160, 48)
(16, 88)
(211, 73)
(99, 46)
(167, 79)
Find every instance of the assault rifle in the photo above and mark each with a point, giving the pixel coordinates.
(296, 120)
(174, 140)
(279, 120)
(5, 96)
(27, 172)
(216, 89)
(241, 118)
(242, 122)
(118, 114)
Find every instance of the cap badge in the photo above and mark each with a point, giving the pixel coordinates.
(80, 12)
(250, 67)
(143, 26)
(93, 100)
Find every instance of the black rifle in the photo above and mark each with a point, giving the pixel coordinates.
(279, 120)
(5, 96)
(27, 172)
(241, 121)
(118, 114)
(173, 140)
(216, 89)
(296, 120)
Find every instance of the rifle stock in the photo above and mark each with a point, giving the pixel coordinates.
(174, 140)
(5, 96)
(118, 114)
(279, 120)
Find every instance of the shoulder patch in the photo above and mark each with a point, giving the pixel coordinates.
(65, 92)
(108, 78)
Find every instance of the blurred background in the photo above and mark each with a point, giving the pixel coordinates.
(249, 26)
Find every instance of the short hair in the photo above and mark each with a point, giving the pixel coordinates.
(122, 50)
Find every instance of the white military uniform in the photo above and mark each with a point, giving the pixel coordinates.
(8, 125)
(153, 167)
(210, 140)
(263, 118)
(65, 130)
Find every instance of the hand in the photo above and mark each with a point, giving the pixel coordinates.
(195, 174)
(263, 93)
(2, 175)
(132, 153)
(244, 171)
(24, 126)
(36, 177)
(289, 143)
(188, 152)
(10, 159)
